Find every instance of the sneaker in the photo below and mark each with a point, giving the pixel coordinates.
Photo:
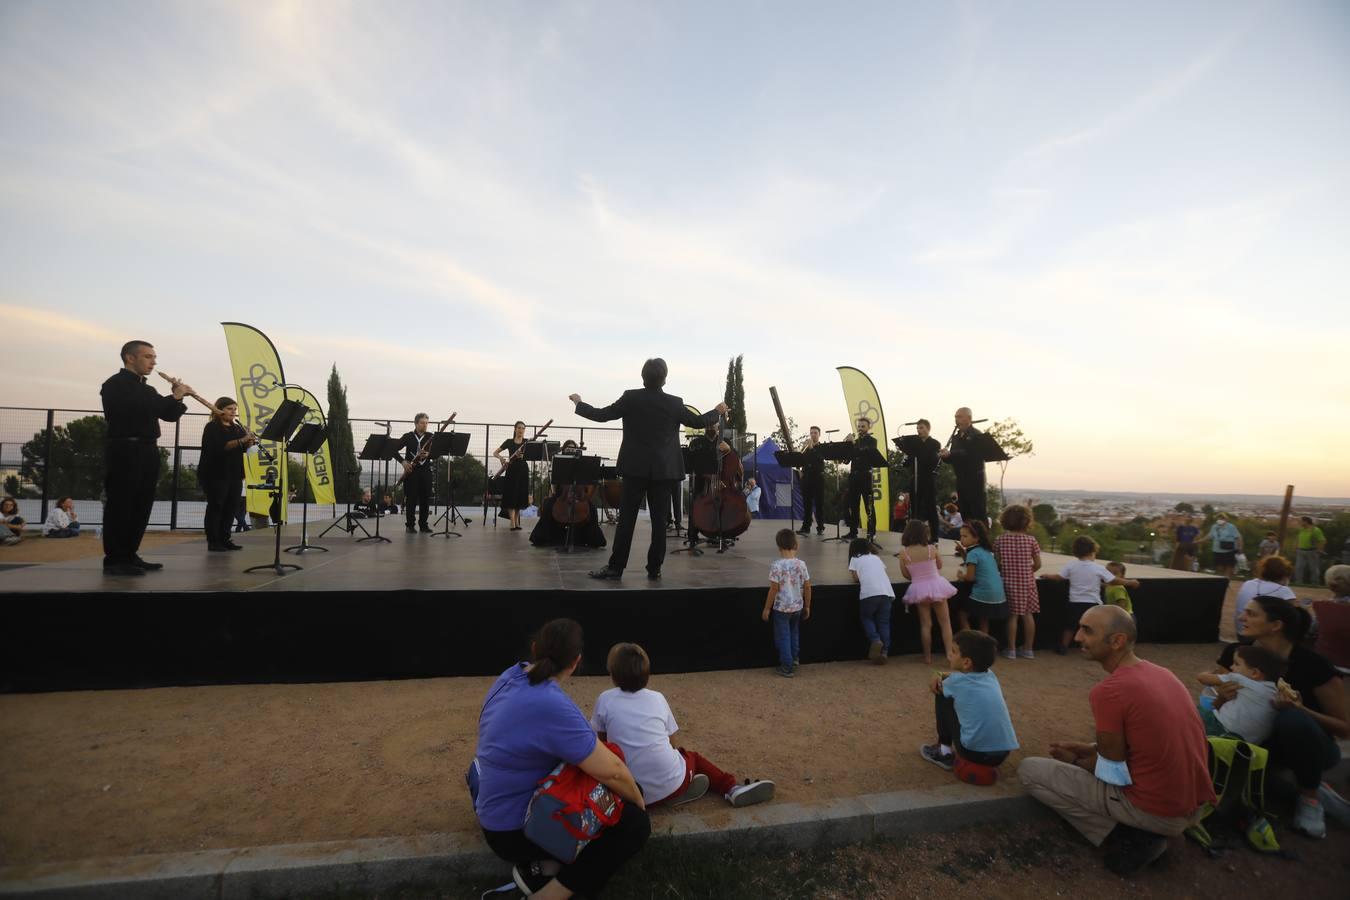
(933, 753)
(1010, 653)
(1026, 654)
(748, 794)
(1309, 818)
(530, 879)
(1334, 805)
(796, 662)
(874, 651)
(1129, 850)
(881, 661)
(785, 672)
(698, 786)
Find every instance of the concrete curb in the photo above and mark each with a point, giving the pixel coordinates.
(382, 864)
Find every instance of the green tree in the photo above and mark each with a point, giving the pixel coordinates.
(11, 485)
(1184, 507)
(1009, 435)
(738, 420)
(465, 483)
(1045, 515)
(76, 466)
(188, 488)
(340, 442)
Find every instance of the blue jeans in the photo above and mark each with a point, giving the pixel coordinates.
(876, 619)
(786, 636)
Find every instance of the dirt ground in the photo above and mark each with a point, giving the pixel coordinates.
(36, 549)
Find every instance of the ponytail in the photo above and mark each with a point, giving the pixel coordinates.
(556, 646)
(1295, 620)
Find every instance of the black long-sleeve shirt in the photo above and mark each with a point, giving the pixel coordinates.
(133, 409)
(218, 461)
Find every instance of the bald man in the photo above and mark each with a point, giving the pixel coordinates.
(966, 457)
(1146, 776)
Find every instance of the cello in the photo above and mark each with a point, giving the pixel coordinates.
(719, 509)
(572, 502)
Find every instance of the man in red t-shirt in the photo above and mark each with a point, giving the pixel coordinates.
(1147, 774)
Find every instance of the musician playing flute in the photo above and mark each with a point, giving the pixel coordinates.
(220, 471)
(860, 482)
(516, 485)
(922, 450)
(133, 410)
(417, 478)
(966, 457)
(813, 484)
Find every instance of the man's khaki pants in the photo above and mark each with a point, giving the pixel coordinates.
(1088, 803)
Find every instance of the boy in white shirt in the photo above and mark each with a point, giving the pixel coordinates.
(639, 720)
(1085, 577)
(1251, 714)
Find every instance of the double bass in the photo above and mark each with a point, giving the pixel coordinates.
(719, 509)
(572, 502)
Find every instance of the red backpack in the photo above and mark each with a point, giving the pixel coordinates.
(569, 809)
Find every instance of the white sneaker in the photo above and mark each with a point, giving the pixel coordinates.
(1308, 818)
(1010, 653)
(1334, 805)
(750, 793)
(698, 786)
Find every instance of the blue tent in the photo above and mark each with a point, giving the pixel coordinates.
(780, 493)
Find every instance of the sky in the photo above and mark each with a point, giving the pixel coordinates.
(1123, 225)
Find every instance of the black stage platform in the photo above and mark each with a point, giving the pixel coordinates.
(425, 606)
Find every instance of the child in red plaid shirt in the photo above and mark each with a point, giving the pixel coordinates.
(1019, 557)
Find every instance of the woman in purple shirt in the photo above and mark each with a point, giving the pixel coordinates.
(528, 725)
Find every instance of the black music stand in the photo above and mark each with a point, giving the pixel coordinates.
(308, 440)
(699, 461)
(607, 473)
(347, 521)
(837, 451)
(378, 447)
(792, 460)
(573, 471)
(453, 444)
(279, 428)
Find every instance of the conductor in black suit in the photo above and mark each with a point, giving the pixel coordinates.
(649, 460)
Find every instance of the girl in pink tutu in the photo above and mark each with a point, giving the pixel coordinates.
(921, 562)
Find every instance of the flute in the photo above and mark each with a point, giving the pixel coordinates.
(177, 382)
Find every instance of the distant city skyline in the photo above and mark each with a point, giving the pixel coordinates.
(1122, 226)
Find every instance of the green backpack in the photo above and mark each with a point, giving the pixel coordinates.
(1239, 773)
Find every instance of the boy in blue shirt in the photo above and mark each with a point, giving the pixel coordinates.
(972, 717)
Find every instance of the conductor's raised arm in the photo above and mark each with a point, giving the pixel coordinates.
(608, 414)
(701, 420)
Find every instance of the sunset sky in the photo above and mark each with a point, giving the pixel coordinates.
(1124, 225)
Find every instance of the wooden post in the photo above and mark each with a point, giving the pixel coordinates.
(1284, 514)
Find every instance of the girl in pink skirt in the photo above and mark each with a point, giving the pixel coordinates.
(920, 562)
(1019, 558)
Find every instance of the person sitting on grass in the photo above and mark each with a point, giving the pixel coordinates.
(1146, 776)
(1085, 577)
(987, 600)
(972, 717)
(1251, 714)
(12, 532)
(788, 602)
(639, 720)
(61, 521)
(875, 596)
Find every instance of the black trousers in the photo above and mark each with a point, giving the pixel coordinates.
(923, 506)
(587, 875)
(222, 498)
(970, 496)
(1300, 745)
(813, 499)
(675, 491)
(860, 489)
(129, 486)
(949, 733)
(417, 494)
(657, 493)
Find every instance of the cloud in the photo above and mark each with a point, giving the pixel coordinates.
(54, 325)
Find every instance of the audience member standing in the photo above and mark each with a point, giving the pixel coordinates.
(1308, 557)
(1226, 545)
(1019, 559)
(1183, 557)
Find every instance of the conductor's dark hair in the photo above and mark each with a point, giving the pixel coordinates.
(556, 646)
(924, 422)
(1083, 546)
(629, 667)
(654, 372)
(786, 539)
(1016, 518)
(131, 348)
(978, 647)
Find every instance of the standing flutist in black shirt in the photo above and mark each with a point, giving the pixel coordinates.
(220, 471)
(860, 482)
(133, 411)
(417, 477)
(813, 484)
(921, 451)
(966, 456)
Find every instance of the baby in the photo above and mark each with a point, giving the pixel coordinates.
(1251, 714)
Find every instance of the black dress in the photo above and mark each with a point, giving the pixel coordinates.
(516, 486)
(220, 473)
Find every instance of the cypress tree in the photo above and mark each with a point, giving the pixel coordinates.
(340, 442)
(737, 402)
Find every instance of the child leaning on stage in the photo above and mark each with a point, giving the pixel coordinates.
(875, 596)
(1251, 714)
(789, 601)
(1085, 577)
(639, 720)
(1019, 559)
(972, 717)
(987, 599)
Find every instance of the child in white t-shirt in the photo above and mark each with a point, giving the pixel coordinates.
(1251, 714)
(875, 596)
(1086, 577)
(639, 720)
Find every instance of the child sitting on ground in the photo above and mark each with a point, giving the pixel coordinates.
(639, 720)
(1119, 594)
(789, 601)
(875, 596)
(972, 717)
(928, 591)
(987, 600)
(1251, 714)
(1086, 577)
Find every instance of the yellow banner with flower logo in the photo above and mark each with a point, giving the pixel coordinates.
(861, 397)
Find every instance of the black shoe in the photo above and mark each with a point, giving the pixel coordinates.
(851, 536)
(147, 566)
(1129, 850)
(605, 572)
(124, 569)
(425, 529)
(411, 529)
(820, 530)
(217, 548)
(231, 545)
(805, 529)
(653, 576)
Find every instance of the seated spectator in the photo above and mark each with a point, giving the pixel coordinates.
(13, 523)
(639, 720)
(1147, 774)
(527, 726)
(1338, 582)
(61, 521)
(1251, 714)
(1333, 619)
(1272, 580)
(972, 717)
(1310, 721)
(366, 509)
(951, 522)
(388, 507)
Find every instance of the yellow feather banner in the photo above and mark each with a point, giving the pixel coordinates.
(861, 397)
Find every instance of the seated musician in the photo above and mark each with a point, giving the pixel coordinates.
(549, 532)
(729, 465)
